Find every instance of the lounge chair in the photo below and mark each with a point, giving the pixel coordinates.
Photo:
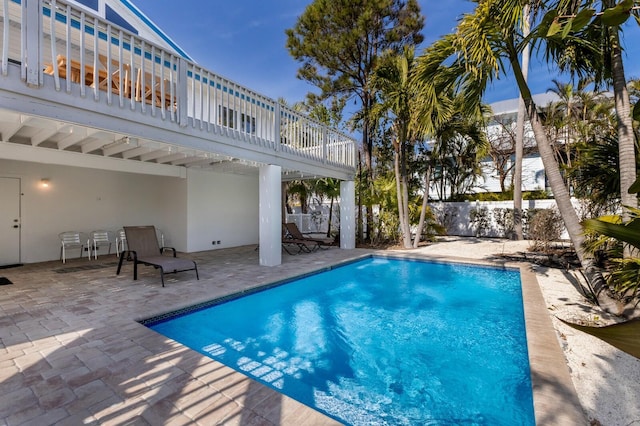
(294, 232)
(142, 247)
(294, 246)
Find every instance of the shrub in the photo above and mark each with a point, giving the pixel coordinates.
(480, 220)
(545, 227)
(504, 222)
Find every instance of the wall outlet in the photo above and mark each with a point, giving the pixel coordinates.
(218, 242)
(213, 242)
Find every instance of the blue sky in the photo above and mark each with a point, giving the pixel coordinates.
(244, 40)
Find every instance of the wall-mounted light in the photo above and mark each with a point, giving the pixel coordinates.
(44, 182)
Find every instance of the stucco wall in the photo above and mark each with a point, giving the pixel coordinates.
(221, 207)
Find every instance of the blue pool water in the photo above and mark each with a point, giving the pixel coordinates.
(380, 341)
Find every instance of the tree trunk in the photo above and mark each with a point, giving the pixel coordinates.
(517, 176)
(367, 146)
(399, 192)
(405, 195)
(359, 197)
(626, 138)
(425, 203)
(330, 217)
(560, 191)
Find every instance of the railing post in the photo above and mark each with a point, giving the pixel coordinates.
(325, 153)
(277, 118)
(32, 34)
(182, 101)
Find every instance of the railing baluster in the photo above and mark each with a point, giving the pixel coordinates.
(216, 114)
(96, 71)
(208, 101)
(173, 82)
(54, 54)
(109, 66)
(5, 37)
(152, 83)
(193, 93)
(162, 86)
(82, 70)
(143, 79)
(23, 42)
(122, 82)
(132, 72)
(68, 50)
(201, 94)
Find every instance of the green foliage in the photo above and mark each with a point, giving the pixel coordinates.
(338, 41)
(506, 196)
(624, 277)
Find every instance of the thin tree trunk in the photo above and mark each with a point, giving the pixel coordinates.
(368, 152)
(626, 138)
(425, 203)
(330, 217)
(517, 177)
(359, 197)
(405, 196)
(399, 192)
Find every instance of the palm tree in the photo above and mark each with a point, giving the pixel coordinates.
(398, 97)
(476, 53)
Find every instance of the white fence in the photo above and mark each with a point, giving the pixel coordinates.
(488, 218)
(468, 219)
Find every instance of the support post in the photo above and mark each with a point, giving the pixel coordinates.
(270, 213)
(347, 215)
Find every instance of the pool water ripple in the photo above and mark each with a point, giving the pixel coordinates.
(380, 341)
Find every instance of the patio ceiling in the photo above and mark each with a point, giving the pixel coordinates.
(32, 138)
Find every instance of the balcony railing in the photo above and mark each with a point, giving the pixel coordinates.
(89, 57)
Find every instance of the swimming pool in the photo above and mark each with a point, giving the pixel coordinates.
(380, 341)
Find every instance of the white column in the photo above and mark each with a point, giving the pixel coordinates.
(347, 215)
(270, 213)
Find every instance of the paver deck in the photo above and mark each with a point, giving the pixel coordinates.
(72, 352)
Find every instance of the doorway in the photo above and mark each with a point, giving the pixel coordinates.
(9, 221)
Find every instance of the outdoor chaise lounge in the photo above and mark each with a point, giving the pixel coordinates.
(143, 247)
(294, 246)
(296, 234)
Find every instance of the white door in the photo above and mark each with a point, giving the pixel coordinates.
(9, 221)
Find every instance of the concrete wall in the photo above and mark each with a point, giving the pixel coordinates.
(190, 212)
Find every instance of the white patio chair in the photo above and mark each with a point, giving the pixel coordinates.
(121, 241)
(69, 240)
(100, 238)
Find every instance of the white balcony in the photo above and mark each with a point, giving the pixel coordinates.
(74, 82)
